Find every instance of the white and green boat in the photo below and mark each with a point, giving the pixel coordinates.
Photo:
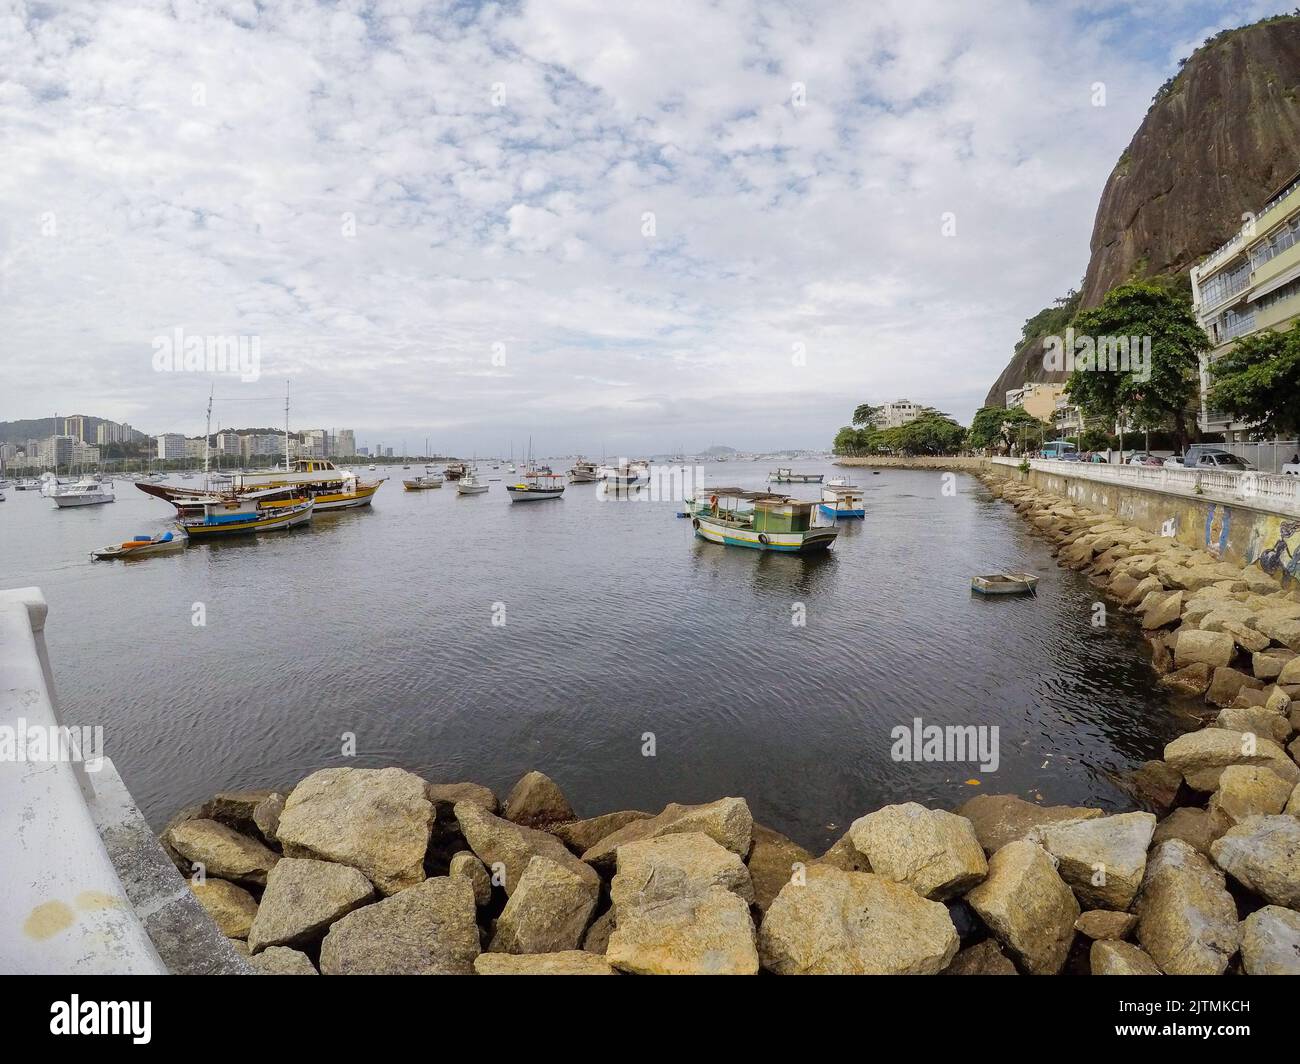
(760, 520)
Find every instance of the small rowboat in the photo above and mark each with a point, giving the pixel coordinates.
(1004, 584)
(141, 546)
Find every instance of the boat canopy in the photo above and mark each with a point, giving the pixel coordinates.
(747, 494)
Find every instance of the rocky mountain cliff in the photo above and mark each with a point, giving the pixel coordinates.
(1220, 137)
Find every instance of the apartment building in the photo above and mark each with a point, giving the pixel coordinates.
(1037, 398)
(170, 445)
(897, 414)
(1251, 283)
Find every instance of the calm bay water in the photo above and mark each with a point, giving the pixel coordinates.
(618, 622)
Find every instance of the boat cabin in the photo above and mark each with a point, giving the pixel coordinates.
(766, 512)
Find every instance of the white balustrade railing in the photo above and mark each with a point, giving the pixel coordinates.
(1264, 491)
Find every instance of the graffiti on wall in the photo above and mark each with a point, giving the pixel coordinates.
(1218, 523)
(1278, 558)
(1169, 530)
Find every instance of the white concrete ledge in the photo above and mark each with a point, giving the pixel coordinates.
(64, 908)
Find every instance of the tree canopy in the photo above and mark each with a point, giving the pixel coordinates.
(994, 425)
(1258, 381)
(1151, 395)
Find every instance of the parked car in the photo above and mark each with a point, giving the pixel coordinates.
(1173, 462)
(1223, 460)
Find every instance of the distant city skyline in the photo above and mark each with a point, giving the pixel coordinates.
(663, 229)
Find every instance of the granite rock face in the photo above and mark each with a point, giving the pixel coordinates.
(934, 852)
(376, 820)
(1002, 818)
(223, 852)
(855, 923)
(427, 929)
(548, 912)
(1028, 906)
(1187, 920)
(709, 933)
(302, 898)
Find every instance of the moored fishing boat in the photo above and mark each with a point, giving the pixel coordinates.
(143, 546)
(423, 482)
(471, 484)
(626, 474)
(215, 516)
(535, 487)
(455, 470)
(841, 499)
(785, 475)
(760, 520)
(584, 472)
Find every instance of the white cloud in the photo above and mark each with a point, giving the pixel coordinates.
(384, 191)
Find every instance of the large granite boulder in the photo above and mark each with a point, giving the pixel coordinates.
(427, 929)
(536, 801)
(1187, 921)
(773, 860)
(1191, 825)
(727, 822)
(281, 960)
(1270, 942)
(1255, 719)
(581, 835)
(1246, 791)
(222, 851)
(507, 848)
(676, 865)
(1027, 906)
(302, 898)
(444, 797)
(231, 907)
(1108, 957)
(266, 817)
(376, 820)
(983, 958)
(932, 851)
(1105, 924)
(1197, 647)
(1201, 756)
(465, 863)
(1262, 853)
(548, 911)
(709, 933)
(568, 962)
(855, 923)
(1102, 859)
(1002, 818)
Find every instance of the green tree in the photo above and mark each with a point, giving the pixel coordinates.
(993, 425)
(1162, 392)
(931, 433)
(864, 413)
(1258, 381)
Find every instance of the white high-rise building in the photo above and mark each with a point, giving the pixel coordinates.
(170, 445)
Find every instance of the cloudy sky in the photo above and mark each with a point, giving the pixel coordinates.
(617, 227)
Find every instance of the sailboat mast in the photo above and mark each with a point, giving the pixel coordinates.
(207, 436)
(287, 465)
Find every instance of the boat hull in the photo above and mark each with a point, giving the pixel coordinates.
(270, 522)
(811, 542)
(471, 489)
(521, 494)
(830, 511)
(63, 502)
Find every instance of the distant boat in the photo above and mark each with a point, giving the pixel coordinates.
(83, 493)
(784, 475)
(455, 470)
(1005, 584)
(626, 474)
(769, 522)
(28, 484)
(535, 487)
(584, 472)
(423, 483)
(142, 546)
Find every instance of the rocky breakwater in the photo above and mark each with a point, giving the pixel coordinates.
(359, 871)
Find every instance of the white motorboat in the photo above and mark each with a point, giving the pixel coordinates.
(471, 484)
(83, 493)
